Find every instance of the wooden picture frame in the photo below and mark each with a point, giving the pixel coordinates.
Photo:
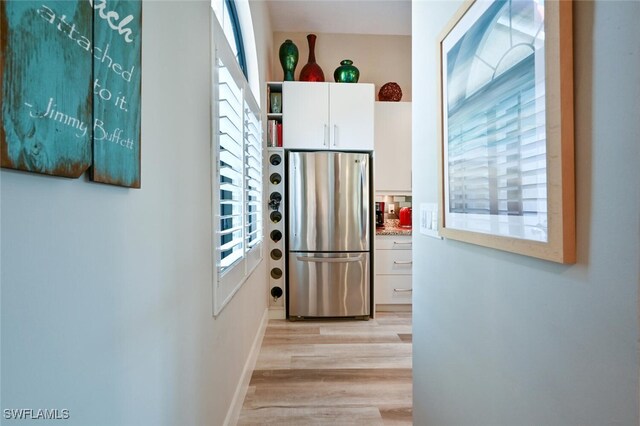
(506, 128)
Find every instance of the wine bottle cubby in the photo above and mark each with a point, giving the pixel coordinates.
(275, 225)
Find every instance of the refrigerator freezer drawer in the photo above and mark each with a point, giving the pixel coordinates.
(328, 284)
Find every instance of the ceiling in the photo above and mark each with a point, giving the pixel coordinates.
(388, 17)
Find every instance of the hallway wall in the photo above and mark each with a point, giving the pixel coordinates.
(502, 339)
(106, 292)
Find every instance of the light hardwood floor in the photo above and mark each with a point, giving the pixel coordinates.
(333, 372)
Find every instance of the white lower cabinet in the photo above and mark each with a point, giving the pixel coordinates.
(393, 270)
(393, 262)
(393, 289)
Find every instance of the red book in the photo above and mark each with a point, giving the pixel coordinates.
(280, 134)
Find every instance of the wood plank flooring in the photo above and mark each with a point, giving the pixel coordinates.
(333, 372)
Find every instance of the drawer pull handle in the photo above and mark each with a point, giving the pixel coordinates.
(402, 290)
(402, 244)
(403, 262)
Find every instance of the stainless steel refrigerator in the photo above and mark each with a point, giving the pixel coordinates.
(329, 247)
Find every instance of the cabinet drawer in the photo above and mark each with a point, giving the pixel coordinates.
(393, 262)
(393, 289)
(390, 242)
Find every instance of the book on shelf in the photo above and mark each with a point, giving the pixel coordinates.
(279, 132)
(272, 133)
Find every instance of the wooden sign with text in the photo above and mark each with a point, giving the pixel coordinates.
(70, 79)
(116, 92)
(45, 82)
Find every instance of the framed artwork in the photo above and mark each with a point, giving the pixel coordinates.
(506, 127)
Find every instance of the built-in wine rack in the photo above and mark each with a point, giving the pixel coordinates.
(275, 231)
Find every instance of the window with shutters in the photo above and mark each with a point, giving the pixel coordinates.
(237, 172)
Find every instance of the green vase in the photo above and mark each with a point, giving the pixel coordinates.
(346, 72)
(288, 54)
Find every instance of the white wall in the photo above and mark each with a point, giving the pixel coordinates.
(380, 58)
(265, 47)
(503, 339)
(106, 292)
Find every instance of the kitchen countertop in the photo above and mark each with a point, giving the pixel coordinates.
(391, 227)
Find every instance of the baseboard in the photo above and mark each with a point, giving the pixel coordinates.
(277, 313)
(233, 415)
(394, 308)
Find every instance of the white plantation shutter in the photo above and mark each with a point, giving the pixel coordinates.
(237, 179)
(253, 175)
(231, 170)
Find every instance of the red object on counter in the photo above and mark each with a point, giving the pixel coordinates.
(405, 217)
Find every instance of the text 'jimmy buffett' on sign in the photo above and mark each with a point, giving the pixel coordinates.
(115, 136)
(52, 114)
(100, 132)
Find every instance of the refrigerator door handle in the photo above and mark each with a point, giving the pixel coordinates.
(335, 135)
(329, 259)
(364, 178)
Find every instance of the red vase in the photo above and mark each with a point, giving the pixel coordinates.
(311, 71)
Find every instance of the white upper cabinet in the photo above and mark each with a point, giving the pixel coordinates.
(393, 147)
(305, 115)
(336, 116)
(351, 116)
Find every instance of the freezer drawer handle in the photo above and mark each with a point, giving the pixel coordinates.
(402, 290)
(329, 259)
(403, 262)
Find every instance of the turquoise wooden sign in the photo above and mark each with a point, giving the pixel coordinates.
(70, 74)
(116, 92)
(45, 76)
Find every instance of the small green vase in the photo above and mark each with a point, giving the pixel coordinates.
(346, 72)
(288, 54)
